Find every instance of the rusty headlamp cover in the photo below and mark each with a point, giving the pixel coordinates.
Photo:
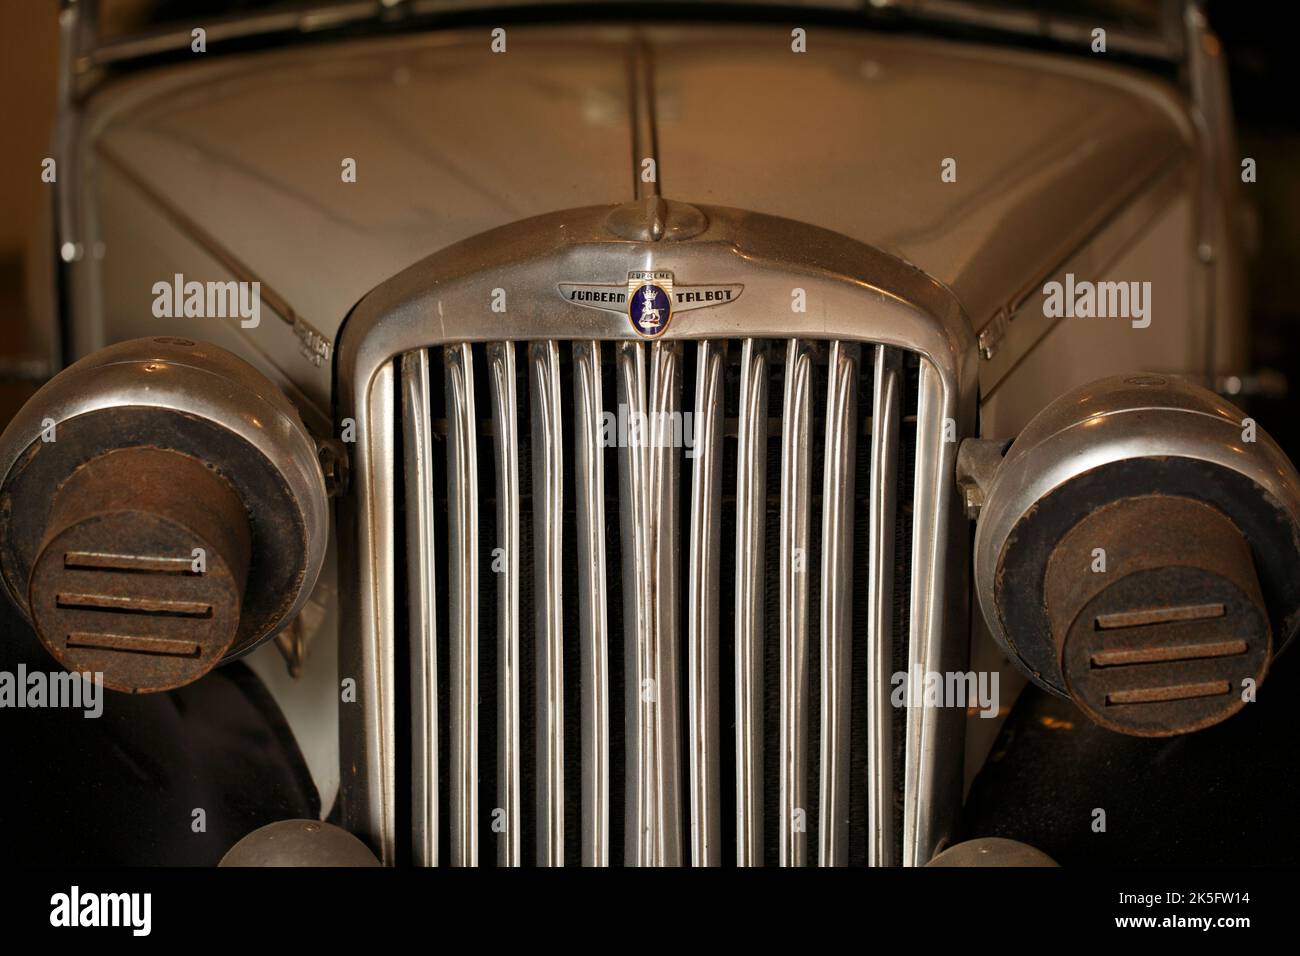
(1164, 638)
(163, 510)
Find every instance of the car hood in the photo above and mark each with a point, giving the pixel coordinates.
(451, 139)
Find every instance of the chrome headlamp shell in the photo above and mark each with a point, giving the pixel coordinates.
(1143, 448)
(127, 464)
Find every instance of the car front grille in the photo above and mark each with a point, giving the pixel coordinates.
(655, 593)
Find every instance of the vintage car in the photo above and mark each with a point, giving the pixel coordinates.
(665, 436)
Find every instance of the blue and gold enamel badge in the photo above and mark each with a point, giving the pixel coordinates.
(649, 302)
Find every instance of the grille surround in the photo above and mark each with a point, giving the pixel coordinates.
(856, 294)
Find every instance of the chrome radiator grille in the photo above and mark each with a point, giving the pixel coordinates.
(655, 594)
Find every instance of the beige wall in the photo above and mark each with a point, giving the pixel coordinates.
(29, 47)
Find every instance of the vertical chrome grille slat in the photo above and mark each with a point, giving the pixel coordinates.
(505, 419)
(548, 553)
(927, 598)
(881, 832)
(796, 467)
(836, 601)
(367, 728)
(751, 513)
(665, 400)
(462, 572)
(589, 477)
(642, 818)
(420, 558)
(703, 584)
(648, 505)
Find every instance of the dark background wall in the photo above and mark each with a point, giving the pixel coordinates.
(1262, 59)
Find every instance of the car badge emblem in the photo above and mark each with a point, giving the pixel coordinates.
(649, 300)
(649, 304)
